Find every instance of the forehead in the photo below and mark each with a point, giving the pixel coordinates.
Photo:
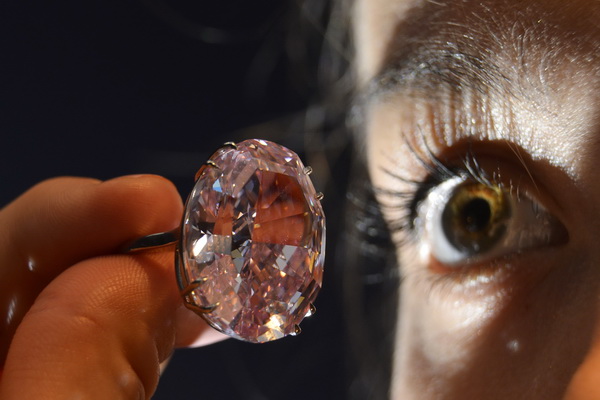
(526, 71)
(385, 29)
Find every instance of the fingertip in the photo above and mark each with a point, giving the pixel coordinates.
(149, 202)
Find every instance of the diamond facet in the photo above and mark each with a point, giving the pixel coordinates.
(253, 242)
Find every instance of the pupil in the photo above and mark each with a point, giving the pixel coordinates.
(476, 215)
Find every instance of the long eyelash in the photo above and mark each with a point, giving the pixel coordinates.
(439, 166)
(474, 170)
(407, 202)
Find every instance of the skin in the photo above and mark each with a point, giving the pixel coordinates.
(522, 324)
(68, 282)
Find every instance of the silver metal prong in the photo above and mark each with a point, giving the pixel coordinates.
(311, 310)
(297, 330)
(308, 170)
(230, 144)
(320, 196)
(252, 146)
(192, 286)
(210, 163)
(198, 309)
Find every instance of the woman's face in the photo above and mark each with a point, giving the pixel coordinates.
(482, 136)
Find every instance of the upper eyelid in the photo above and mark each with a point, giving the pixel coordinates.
(439, 172)
(463, 160)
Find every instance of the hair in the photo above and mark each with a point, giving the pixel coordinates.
(365, 266)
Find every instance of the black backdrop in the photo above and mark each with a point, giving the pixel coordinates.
(102, 88)
(106, 88)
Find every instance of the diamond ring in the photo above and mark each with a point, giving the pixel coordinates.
(251, 245)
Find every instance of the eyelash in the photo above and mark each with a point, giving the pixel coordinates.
(407, 202)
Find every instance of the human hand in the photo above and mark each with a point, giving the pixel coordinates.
(88, 321)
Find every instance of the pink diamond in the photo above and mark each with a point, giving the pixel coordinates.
(253, 242)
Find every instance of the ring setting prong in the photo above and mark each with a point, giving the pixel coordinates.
(193, 286)
(209, 163)
(297, 330)
(199, 309)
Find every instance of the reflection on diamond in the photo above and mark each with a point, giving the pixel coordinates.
(255, 232)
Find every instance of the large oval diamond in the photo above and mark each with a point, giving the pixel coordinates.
(253, 241)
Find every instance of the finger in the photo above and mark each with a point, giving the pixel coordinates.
(62, 221)
(98, 331)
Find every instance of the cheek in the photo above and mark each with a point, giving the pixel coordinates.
(439, 328)
(522, 332)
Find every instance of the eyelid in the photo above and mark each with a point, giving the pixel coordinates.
(527, 226)
(505, 163)
(499, 164)
(499, 161)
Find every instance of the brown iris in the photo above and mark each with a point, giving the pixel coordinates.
(476, 217)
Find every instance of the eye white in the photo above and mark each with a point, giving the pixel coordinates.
(428, 224)
(529, 226)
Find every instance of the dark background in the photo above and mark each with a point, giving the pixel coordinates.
(106, 88)
(102, 88)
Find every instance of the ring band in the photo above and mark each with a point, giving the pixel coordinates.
(156, 240)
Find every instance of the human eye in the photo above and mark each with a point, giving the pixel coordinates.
(463, 214)
(464, 221)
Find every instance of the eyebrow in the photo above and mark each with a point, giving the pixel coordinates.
(432, 69)
(424, 60)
